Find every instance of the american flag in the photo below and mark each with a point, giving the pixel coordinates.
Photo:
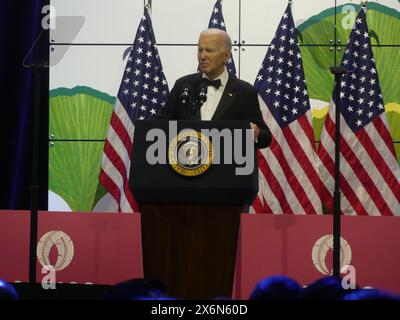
(369, 172)
(289, 181)
(142, 92)
(217, 22)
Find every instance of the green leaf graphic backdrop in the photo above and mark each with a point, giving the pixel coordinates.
(73, 172)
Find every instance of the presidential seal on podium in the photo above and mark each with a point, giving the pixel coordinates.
(190, 153)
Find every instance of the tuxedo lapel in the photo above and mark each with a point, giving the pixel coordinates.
(226, 100)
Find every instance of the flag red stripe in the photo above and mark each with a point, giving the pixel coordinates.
(308, 130)
(360, 172)
(322, 153)
(273, 183)
(344, 185)
(303, 159)
(261, 207)
(110, 186)
(120, 166)
(385, 134)
(120, 130)
(379, 162)
(267, 208)
(257, 206)
(298, 190)
(115, 159)
(306, 127)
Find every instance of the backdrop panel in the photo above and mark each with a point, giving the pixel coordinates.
(181, 21)
(105, 21)
(300, 247)
(318, 16)
(14, 245)
(99, 248)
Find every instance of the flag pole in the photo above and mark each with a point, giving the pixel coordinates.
(35, 191)
(338, 72)
(37, 66)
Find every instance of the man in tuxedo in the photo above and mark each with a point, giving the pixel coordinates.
(227, 97)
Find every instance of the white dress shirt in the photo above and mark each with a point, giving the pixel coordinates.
(214, 95)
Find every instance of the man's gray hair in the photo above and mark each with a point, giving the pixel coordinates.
(227, 38)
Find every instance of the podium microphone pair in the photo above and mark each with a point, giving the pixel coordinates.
(191, 100)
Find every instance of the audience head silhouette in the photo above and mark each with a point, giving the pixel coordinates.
(7, 291)
(138, 289)
(276, 288)
(370, 294)
(327, 288)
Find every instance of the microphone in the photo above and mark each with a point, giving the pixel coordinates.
(202, 92)
(186, 93)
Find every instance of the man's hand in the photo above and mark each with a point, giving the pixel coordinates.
(256, 131)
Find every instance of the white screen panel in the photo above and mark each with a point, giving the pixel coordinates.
(251, 59)
(98, 67)
(181, 21)
(106, 21)
(260, 18)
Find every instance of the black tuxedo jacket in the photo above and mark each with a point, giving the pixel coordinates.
(239, 101)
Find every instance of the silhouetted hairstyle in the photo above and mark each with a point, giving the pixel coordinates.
(370, 294)
(327, 288)
(137, 289)
(276, 288)
(7, 291)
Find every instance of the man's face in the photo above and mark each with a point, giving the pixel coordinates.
(212, 54)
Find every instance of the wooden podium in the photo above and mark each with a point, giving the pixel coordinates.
(190, 224)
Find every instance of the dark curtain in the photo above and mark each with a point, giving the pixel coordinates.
(20, 25)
